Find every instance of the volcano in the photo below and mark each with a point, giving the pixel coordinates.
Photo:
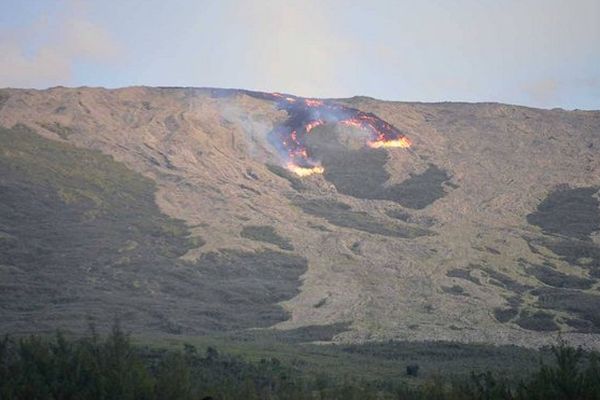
(188, 211)
(306, 114)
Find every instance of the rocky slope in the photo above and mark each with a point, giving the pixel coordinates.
(173, 209)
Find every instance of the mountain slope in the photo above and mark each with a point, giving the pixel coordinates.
(175, 209)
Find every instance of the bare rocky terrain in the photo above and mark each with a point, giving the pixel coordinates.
(171, 209)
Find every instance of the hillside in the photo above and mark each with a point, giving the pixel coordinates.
(175, 210)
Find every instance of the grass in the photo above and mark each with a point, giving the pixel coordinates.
(113, 367)
(456, 290)
(505, 314)
(340, 214)
(370, 361)
(266, 234)
(582, 304)
(3, 98)
(569, 212)
(558, 279)
(361, 173)
(463, 274)
(62, 131)
(568, 216)
(505, 281)
(537, 321)
(82, 237)
(420, 190)
(294, 181)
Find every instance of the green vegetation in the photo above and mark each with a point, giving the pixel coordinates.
(62, 131)
(341, 214)
(463, 274)
(3, 98)
(568, 217)
(406, 217)
(568, 211)
(266, 234)
(384, 361)
(456, 290)
(581, 253)
(584, 305)
(294, 181)
(113, 368)
(420, 190)
(361, 173)
(505, 314)
(399, 214)
(557, 279)
(505, 281)
(537, 321)
(240, 290)
(82, 237)
(302, 335)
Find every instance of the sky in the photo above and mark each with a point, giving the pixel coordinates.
(540, 53)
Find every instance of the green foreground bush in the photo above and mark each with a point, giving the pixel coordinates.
(112, 368)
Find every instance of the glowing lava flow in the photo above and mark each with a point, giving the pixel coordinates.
(304, 115)
(402, 143)
(313, 124)
(305, 171)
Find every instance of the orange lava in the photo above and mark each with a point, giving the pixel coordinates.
(304, 115)
(382, 140)
(286, 98)
(305, 171)
(402, 143)
(352, 123)
(313, 102)
(313, 124)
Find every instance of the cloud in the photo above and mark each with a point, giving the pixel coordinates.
(432, 51)
(44, 53)
(542, 92)
(557, 91)
(291, 46)
(535, 52)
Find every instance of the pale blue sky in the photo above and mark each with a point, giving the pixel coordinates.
(543, 53)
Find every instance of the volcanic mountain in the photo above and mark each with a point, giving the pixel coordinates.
(194, 211)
